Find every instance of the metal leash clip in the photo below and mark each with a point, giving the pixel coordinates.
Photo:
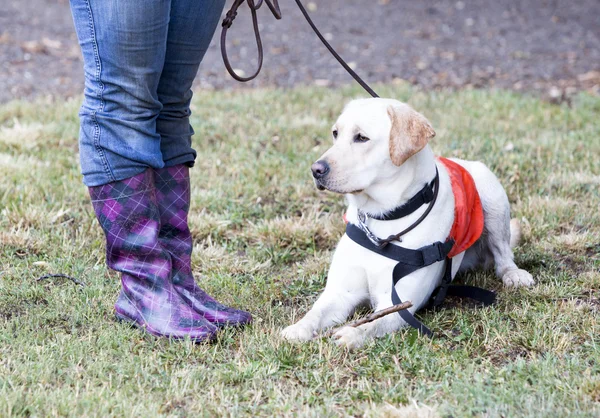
(362, 224)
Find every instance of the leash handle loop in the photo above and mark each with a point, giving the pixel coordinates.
(228, 22)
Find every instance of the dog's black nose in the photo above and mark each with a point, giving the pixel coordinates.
(320, 169)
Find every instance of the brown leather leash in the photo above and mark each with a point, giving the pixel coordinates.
(273, 5)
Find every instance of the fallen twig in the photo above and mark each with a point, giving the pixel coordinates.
(369, 318)
(50, 276)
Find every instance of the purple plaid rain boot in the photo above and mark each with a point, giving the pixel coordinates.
(128, 214)
(173, 197)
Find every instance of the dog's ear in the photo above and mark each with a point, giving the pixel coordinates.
(409, 134)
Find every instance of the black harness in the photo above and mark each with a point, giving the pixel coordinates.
(410, 261)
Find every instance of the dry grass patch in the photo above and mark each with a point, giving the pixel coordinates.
(24, 137)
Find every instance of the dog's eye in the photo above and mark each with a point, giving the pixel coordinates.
(334, 133)
(360, 138)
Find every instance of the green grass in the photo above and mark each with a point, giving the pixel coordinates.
(264, 237)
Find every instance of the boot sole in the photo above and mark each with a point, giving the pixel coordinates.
(124, 319)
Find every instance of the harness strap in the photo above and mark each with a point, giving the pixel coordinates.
(402, 270)
(486, 297)
(439, 294)
(419, 258)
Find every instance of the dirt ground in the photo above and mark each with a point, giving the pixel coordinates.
(550, 47)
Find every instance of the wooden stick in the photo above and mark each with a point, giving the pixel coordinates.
(369, 318)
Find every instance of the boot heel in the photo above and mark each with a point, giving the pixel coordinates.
(123, 319)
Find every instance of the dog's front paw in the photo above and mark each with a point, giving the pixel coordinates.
(298, 332)
(350, 337)
(517, 278)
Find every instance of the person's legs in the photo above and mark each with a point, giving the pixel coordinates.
(191, 28)
(124, 46)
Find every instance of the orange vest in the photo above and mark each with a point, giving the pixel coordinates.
(468, 213)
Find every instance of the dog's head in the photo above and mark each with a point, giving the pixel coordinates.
(371, 139)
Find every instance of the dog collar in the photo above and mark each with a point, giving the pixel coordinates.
(425, 195)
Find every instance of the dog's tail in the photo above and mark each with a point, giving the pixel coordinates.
(515, 232)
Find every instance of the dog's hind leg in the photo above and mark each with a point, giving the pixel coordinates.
(498, 228)
(499, 243)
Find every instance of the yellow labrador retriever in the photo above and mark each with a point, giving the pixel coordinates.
(380, 159)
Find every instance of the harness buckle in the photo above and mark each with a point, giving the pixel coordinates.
(433, 253)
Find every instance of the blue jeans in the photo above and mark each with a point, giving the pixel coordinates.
(140, 59)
